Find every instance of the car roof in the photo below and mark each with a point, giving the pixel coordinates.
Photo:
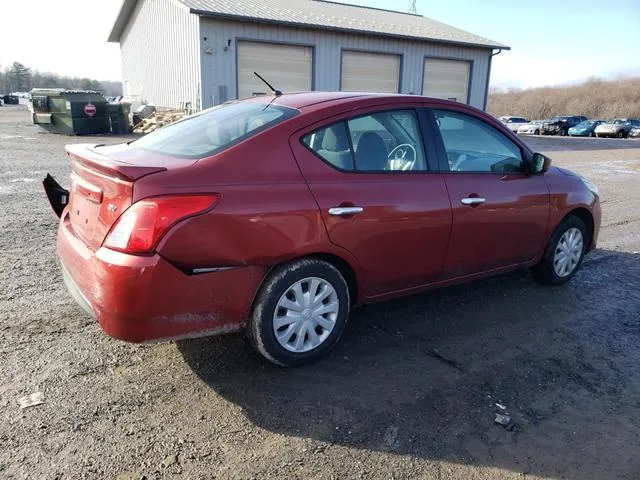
(301, 100)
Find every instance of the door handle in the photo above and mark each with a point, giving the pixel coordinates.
(473, 201)
(344, 211)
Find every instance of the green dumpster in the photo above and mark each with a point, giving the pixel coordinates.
(119, 117)
(70, 112)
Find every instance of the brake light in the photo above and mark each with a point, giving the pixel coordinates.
(142, 225)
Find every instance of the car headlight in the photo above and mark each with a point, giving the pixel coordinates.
(591, 186)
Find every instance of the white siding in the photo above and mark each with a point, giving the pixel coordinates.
(219, 66)
(160, 54)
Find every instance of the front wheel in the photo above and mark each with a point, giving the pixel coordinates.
(592, 134)
(300, 312)
(564, 253)
(620, 134)
(537, 132)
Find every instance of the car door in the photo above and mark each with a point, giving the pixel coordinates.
(380, 194)
(499, 211)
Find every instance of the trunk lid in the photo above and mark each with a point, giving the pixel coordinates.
(101, 188)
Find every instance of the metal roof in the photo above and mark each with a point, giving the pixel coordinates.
(323, 14)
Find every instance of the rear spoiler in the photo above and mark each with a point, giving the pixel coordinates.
(88, 157)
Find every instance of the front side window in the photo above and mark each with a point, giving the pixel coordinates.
(214, 129)
(473, 145)
(383, 141)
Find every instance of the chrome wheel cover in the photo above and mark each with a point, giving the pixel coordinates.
(305, 315)
(568, 252)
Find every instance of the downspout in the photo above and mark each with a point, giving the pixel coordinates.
(486, 90)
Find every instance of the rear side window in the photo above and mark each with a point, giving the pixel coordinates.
(214, 129)
(332, 145)
(472, 145)
(388, 141)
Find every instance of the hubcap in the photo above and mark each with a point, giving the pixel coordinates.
(305, 315)
(568, 252)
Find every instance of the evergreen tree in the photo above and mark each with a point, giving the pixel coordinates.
(19, 77)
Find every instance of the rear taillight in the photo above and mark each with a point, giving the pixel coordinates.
(143, 224)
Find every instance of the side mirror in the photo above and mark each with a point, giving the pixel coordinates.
(539, 163)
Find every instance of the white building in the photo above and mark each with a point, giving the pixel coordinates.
(204, 52)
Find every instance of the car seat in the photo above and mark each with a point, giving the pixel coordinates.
(335, 147)
(371, 153)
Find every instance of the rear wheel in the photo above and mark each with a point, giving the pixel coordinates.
(592, 134)
(300, 312)
(620, 134)
(564, 252)
(537, 132)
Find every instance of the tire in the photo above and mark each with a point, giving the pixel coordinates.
(591, 134)
(280, 287)
(620, 134)
(537, 132)
(545, 272)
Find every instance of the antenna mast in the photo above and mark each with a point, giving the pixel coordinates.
(412, 7)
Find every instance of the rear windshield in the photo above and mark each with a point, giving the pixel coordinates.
(214, 129)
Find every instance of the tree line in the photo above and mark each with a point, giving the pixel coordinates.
(20, 78)
(595, 98)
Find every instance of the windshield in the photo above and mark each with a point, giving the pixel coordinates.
(585, 124)
(617, 121)
(557, 119)
(214, 129)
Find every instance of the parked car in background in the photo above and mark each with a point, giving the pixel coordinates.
(534, 127)
(513, 123)
(585, 129)
(635, 132)
(560, 125)
(619, 127)
(276, 214)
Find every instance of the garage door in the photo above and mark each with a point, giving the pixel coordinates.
(286, 67)
(447, 79)
(370, 72)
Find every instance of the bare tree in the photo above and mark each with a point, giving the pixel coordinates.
(595, 98)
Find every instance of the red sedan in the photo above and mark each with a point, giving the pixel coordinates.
(276, 215)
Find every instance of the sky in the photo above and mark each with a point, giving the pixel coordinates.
(552, 42)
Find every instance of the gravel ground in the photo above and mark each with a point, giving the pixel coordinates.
(410, 392)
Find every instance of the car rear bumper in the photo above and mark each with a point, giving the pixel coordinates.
(145, 298)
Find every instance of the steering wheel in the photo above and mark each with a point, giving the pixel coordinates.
(402, 157)
(455, 165)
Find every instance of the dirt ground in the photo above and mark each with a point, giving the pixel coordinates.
(562, 360)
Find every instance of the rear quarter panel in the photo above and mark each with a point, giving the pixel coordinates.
(266, 214)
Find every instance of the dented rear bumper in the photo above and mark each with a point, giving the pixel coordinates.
(145, 298)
